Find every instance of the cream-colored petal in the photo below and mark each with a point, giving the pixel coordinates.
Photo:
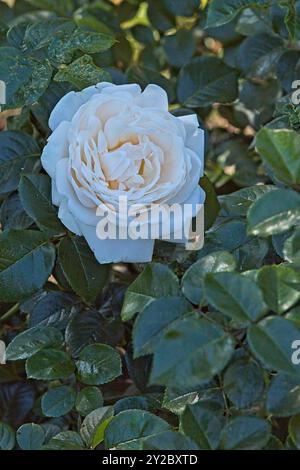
(195, 135)
(64, 188)
(69, 105)
(117, 251)
(67, 218)
(56, 148)
(191, 181)
(154, 97)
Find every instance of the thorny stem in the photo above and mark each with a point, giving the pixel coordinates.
(10, 313)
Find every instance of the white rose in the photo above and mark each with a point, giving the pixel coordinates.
(109, 141)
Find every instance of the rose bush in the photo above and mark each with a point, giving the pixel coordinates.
(110, 141)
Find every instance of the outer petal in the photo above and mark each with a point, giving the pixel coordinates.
(55, 196)
(116, 251)
(132, 88)
(56, 148)
(71, 102)
(154, 97)
(76, 208)
(195, 135)
(192, 180)
(197, 197)
(67, 218)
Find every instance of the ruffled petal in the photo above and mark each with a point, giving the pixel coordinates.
(71, 102)
(132, 88)
(195, 135)
(64, 188)
(192, 180)
(154, 97)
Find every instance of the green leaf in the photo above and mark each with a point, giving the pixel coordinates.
(147, 403)
(26, 78)
(26, 262)
(293, 315)
(202, 426)
(294, 430)
(279, 151)
(30, 341)
(271, 341)
(52, 308)
(85, 275)
(18, 153)
(90, 326)
(291, 249)
(205, 81)
(245, 433)
(30, 436)
(40, 33)
(170, 440)
(35, 195)
(58, 401)
(53, 5)
(211, 203)
(88, 400)
(274, 444)
(82, 73)
(179, 47)
(49, 364)
(130, 429)
(7, 437)
(61, 50)
(258, 55)
(13, 215)
(292, 18)
(94, 425)
(66, 440)
(176, 400)
(152, 323)
(98, 364)
(234, 295)
(142, 34)
(220, 12)
(238, 203)
(231, 235)
(192, 281)
(145, 76)
(243, 383)
(274, 212)
(276, 283)
(42, 110)
(154, 282)
(181, 9)
(16, 400)
(191, 352)
(160, 17)
(283, 395)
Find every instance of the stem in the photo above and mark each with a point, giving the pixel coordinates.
(10, 312)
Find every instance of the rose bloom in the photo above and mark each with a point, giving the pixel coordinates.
(115, 140)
